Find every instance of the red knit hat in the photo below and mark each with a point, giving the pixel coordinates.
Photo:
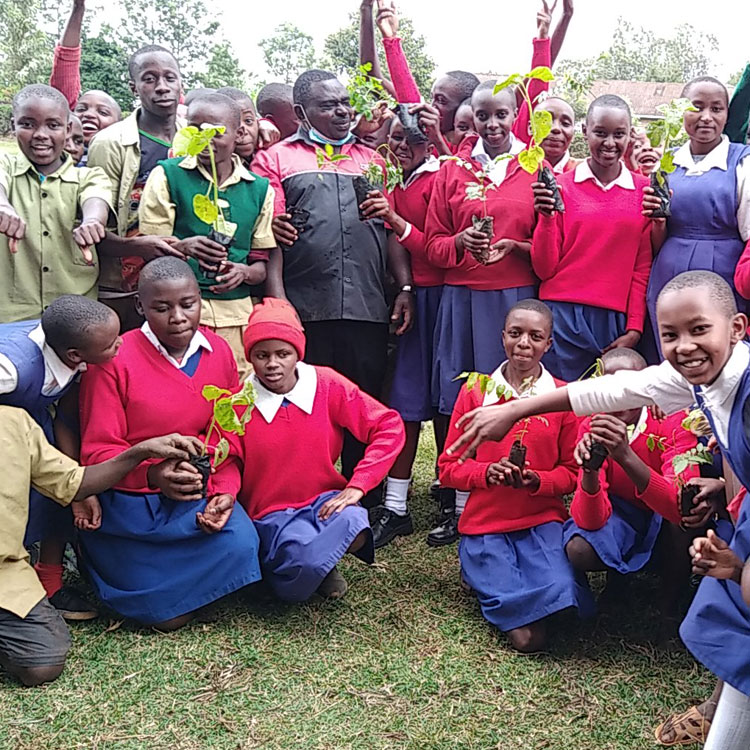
(274, 319)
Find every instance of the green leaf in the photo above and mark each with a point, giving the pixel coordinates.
(204, 209)
(650, 442)
(212, 392)
(489, 385)
(679, 464)
(471, 381)
(667, 162)
(226, 417)
(511, 80)
(182, 140)
(656, 132)
(329, 150)
(221, 452)
(531, 158)
(541, 73)
(461, 376)
(541, 125)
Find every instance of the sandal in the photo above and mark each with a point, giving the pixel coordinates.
(688, 728)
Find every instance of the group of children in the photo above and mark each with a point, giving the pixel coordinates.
(123, 313)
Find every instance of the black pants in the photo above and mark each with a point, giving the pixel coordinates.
(358, 351)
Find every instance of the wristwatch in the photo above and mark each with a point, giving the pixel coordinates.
(407, 288)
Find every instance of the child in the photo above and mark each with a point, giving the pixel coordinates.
(463, 122)
(166, 209)
(642, 157)
(557, 144)
(167, 545)
(275, 103)
(602, 211)
(127, 151)
(511, 548)
(710, 221)
(41, 193)
(706, 359)
(308, 521)
(247, 133)
(74, 144)
(34, 640)
(39, 364)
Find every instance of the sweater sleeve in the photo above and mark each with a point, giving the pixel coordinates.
(636, 312)
(591, 511)
(266, 164)
(562, 479)
(66, 73)
(540, 56)
(739, 110)
(441, 238)
(471, 474)
(742, 273)
(380, 428)
(546, 248)
(401, 76)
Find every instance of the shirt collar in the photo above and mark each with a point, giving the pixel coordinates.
(724, 388)
(431, 164)
(480, 154)
(239, 172)
(624, 179)
(197, 342)
(302, 395)
(545, 383)
(57, 368)
(559, 168)
(67, 171)
(714, 158)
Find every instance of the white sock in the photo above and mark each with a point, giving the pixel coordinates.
(461, 498)
(396, 492)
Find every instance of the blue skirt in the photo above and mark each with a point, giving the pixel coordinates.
(151, 562)
(298, 550)
(411, 391)
(625, 543)
(579, 334)
(469, 336)
(523, 576)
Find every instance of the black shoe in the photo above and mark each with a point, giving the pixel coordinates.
(435, 490)
(387, 525)
(446, 533)
(72, 606)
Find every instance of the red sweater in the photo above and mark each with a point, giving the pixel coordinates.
(410, 203)
(139, 395)
(449, 213)
(591, 512)
(601, 237)
(742, 273)
(292, 460)
(66, 73)
(501, 509)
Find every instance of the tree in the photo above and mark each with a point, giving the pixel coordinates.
(734, 79)
(223, 69)
(288, 52)
(104, 66)
(25, 50)
(341, 51)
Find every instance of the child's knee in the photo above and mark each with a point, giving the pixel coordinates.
(529, 638)
(33, 676)
(581, 554)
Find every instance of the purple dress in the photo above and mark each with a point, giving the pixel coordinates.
(702, 232)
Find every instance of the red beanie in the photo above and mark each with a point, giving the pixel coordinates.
(274, 319)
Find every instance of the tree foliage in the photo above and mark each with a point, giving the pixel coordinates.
(104, 65)
(288, 52)
(25, 49)
(223, 69)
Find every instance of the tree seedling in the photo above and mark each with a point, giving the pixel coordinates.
(597, 451)
(366, 93)
(532, 157)
(224, 419)
(378, 175)
(662, 133)
(191, 141)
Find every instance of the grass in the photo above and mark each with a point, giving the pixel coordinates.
(404, 661)
(8, 146)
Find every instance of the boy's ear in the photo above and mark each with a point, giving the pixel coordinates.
(583, 127)
(74, 356)
(299, 111)
(139, 305)
(133, 91)
(739, 327)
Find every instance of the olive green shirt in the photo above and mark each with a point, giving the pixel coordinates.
(28, 461)
(48, 262)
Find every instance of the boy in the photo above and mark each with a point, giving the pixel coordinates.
(74, 144)
(247, 134)
(247, 202)
(128, 151)
(33, 637)
(41, 192)
(275, 103)
(39, 364)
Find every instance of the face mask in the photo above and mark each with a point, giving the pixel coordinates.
(317, 137)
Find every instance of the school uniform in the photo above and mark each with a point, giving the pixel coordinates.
(411, 390)
(566, 164)
(149, 560)
(477, 298)
(603, 238)
(511, 547)
(166, 209)
(619, 522)
(716, 629)
(710, 221)
(290, 449)
(34, 378)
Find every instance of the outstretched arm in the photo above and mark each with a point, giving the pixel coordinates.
(558, 35)
(367, 50)
(66, 73)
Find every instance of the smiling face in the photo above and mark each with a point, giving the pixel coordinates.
(202, 111)
(157, 83)
(274, 362)
(409, 155)
(696, 335)
(96, 111)
(526, 338)
(644, 158)
(493, 119)
(705, 126)
(463, 122)
(74, 142)
(328, 109)
(563, 128)
(247, 134)
(41, 127)
(607, 131)
(172, 308)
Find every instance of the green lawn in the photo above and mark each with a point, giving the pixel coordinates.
(8, 146)
(404, 661)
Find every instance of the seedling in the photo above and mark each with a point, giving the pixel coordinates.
(191, 141)
(517, 453)
(224, 419)
(662, 133)
(326, 157)
(597, 451)
(366, 93)
(378, 175)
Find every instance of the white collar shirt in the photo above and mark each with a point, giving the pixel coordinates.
(302, 395)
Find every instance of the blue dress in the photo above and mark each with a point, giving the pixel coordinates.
(716, 628)
(702, 232)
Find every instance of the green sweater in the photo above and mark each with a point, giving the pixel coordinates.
(739, 110)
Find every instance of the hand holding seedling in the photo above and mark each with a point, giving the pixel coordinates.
(498, 250)
(612, 433)
(87, 513)
(544, 199)
(429, 121)
(216, 514)
(12, 226)
(651, 203)
(176, 479)
(376, 206)
(284, 231)
(704, 503)
(347, 496)
(712, 556)
(207, 252)
(90, 232)
(150, 246)
(515, 477)
(473, 241)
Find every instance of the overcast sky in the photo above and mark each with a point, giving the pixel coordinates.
(497, 38)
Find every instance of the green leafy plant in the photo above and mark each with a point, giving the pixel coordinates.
(520, 434)
(225, 417)
(488, 385)
(595, 371)
(532, 156)
(697, 456)
(366, 92)
(327, 157)
(390, 169)
(664, 131)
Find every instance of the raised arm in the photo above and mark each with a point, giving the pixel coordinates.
(367, 50)
(404, 85)
(558, 35)
(66, 63)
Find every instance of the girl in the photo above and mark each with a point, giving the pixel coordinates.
(511, 548)
(557, 144)
(601, 237)
(710, 221)
(166, 545)
(308, 518)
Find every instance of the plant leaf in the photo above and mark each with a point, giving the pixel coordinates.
(221, 452)
(471, 381)
(650, 442)
(667, 162)
(212, 392)
(541, 73)
(531, 158)
(541, 125)
(226, 417)
(204, 209)
(511, 80)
